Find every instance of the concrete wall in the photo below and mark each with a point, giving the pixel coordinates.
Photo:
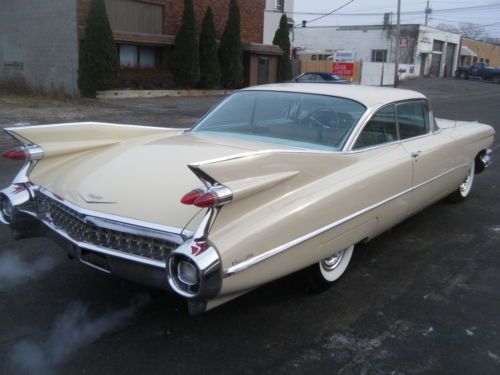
(39, 42)
(417, 41)
(272, 19)
(424, 51)
(359, 39)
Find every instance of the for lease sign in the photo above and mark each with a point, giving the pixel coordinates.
(344, 69)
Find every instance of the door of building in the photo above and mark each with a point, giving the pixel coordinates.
(263, 70)
(450, 58)
(435, 64)
(423, 61)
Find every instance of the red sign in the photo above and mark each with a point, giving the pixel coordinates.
(344, 69)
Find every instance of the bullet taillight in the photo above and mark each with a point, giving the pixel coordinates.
(24, 153)
(215, 196)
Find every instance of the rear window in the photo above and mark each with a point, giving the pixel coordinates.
(293, 119)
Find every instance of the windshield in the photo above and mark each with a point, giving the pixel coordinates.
(294, 119)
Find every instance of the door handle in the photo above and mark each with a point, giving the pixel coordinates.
(416, 154)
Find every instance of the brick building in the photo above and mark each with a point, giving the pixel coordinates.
(41, 43)
(474, 51)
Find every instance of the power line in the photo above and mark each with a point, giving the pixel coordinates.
(330, 13)
(419, 12)
(496, 24)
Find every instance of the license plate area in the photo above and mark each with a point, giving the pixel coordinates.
(95, 260)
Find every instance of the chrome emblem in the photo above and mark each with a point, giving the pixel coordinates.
(93, 198)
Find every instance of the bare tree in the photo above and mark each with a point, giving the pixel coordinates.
(465, 29)
(448, 27)
(472, 30)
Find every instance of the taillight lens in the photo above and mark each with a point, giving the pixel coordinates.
(18, 153)
(216, 196)
(24, 153)
(191, 197)
(206, 200)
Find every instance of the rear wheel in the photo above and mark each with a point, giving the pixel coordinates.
(465, 187)
(324, 274)
(496, 79)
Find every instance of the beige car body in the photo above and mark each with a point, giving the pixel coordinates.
(289, 207)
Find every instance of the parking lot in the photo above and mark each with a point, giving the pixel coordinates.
(421, 298)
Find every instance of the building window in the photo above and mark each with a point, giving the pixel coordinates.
(133, 56)
(437, 46)
(135, 16)
(279, 5)
(379, 55)
(314, 57)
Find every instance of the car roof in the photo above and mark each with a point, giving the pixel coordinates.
(317, 73)
(370, 96)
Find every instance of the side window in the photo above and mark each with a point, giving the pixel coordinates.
(380, 129)
(305, 77)
(413, 119)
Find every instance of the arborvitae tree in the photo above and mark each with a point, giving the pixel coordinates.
(98, 57)
(209, 62)
(231, 60)
(184, 62)
(282, 39)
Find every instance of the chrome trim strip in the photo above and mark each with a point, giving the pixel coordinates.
(17, 137)
(13, 129)
(114, 253)
(176, 235)
(260, 152)
(22, 175)
(277, 250)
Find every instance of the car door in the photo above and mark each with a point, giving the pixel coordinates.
(390, 174)
(432, 152)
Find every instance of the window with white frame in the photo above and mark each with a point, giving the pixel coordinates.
(279, 5)
(379, 55)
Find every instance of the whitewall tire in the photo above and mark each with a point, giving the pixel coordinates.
(465, 187)
(324, 274)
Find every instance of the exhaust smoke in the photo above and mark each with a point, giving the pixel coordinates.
(72, 330)
(14, 270)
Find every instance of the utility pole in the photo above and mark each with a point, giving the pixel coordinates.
(428, 11)
(398, 46)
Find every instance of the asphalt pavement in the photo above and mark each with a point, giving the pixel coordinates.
(421, 298)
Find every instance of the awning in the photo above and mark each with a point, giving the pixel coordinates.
(466, 51)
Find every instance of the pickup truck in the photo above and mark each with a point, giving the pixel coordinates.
(479, 70)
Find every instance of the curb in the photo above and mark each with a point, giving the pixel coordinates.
(124, 94)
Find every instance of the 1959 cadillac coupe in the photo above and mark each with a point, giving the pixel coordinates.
(273, 180)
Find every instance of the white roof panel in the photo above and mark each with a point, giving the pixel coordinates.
(370, 96)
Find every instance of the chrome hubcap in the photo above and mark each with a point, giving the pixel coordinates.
(332, 262)
(465, 186)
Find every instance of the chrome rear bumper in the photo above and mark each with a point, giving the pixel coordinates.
(483, 161)
(127, 249)
(147, 253)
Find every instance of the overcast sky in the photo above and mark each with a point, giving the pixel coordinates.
(487, 12)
